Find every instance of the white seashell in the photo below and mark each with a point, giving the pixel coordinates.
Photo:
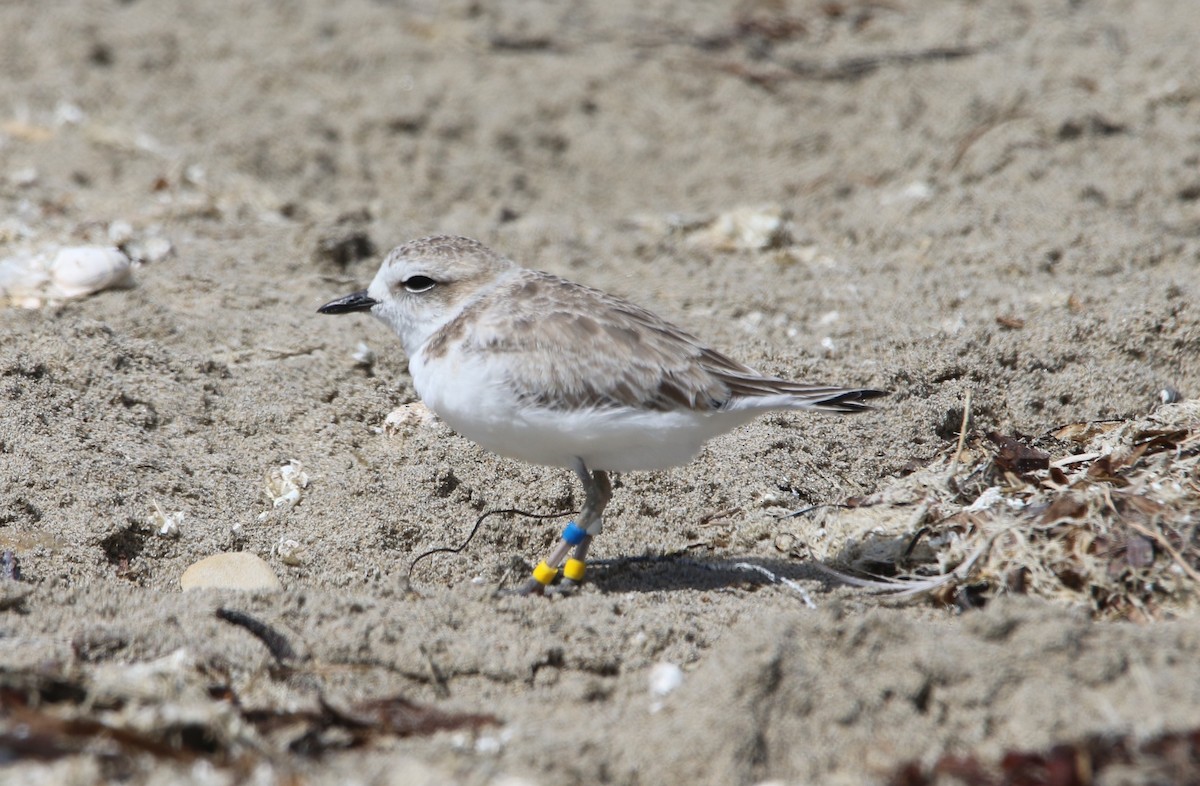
(82, 270)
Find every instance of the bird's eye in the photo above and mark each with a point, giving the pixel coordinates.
(417, 284)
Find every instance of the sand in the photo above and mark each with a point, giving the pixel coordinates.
(993, 197)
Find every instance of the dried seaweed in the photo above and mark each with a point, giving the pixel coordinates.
(135, 718)
(1105, 514)
(1168, 758)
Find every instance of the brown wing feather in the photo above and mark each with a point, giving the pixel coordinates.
(586, 348)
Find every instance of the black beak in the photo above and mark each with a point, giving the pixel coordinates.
(357, 301)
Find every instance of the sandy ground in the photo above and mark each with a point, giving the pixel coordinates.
(995, 197)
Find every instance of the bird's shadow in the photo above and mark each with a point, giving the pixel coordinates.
(683, 572)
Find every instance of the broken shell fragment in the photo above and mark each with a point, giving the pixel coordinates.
(167, 525)
(283, 484)
(290, 552)
(747, 229)
(408, 417)
(150, 250)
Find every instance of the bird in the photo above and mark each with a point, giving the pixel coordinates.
(544, 370)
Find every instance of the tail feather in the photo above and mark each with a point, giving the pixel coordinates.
(770, 393)
(847, 400)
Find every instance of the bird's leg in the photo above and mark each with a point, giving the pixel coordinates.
(598, 491)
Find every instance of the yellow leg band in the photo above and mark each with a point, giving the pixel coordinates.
(544, 574)
(574, 569)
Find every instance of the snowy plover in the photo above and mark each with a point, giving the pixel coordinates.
(538, 368)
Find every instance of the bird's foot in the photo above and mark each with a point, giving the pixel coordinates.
(565, 588)
(531, 587)
(542, 580)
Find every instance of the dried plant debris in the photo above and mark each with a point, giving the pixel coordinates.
(1168, 758)
(1104, 514)
(1016, 457)
(119, 714)
(313, 732)
(180, 709)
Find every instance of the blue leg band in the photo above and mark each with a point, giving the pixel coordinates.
(574, 534)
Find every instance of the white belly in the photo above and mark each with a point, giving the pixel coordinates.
(473, 399)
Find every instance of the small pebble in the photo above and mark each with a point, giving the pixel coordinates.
(10, 568)
(363, 355)
(120, 232)
(238, 570)
(665, 678)
(785, 542)
(24, 177)
(1169, 395)
(149, 250)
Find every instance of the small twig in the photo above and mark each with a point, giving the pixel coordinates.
(810, 509)
(962, 439)
(441, 684)
(709, 518)
(459, 549)
(1106, 493)
(276, 643)
(918, 517)
(916, 538)
(284, 354)
(979, 131)
(855, 68)
(1078, 458)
